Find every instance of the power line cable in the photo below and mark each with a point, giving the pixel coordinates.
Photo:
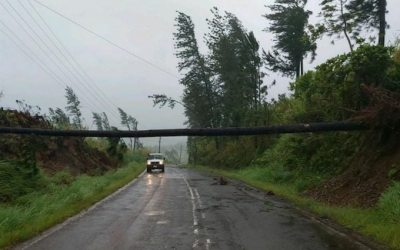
(59, 41)
(105, 106)
(72, 57)
(30, 56)
(53, 54)
(46, 52)
(58, 81)
(105, 39)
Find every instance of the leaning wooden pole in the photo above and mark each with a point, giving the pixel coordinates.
(267, 130)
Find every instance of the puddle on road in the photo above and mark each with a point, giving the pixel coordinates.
(266, 209)
(153, 213)
(196, 179)
(162, 222)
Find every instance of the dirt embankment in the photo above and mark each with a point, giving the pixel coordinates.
(370, 173)
(52, 153)
(376, 164)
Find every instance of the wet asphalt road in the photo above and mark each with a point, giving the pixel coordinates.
(179, 209)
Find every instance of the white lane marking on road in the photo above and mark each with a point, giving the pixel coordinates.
(195, 220)
(195, 244)
(203, 215)
(195, 196)
(153, 213)
(208, 243)
(162, 222)
(54, 229)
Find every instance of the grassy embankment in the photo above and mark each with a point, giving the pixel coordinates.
(381, 223)
(62, 196)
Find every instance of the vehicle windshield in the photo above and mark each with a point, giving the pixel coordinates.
(155, 157)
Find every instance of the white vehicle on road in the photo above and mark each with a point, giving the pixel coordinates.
(155, 161)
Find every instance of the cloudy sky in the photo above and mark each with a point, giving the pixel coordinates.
(142, 27)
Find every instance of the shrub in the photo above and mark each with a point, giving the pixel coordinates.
(16, 181)
(389, 203)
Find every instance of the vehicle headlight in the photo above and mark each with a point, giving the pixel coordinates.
(161, 162)
(148, 162)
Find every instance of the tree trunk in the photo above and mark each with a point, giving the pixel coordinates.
(256, 100)
(131, 143)
(302, 67)
(208, 88)
(345, 26)
(382, 22)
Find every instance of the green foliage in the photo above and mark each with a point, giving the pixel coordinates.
(389, 203)
(16, 181)
(311, 157)
(163, 100)
(334, 90)
(27, 108)
(74, 107)
(139, 156)
(199, 90)
(59, 119)
(116, 147)
(394, 172)
(97, 119)
(106, 124)
(98, 143)
(127, 121)
(288, 21)
(131, 124)
(338, 21)
(370, 14)
(63, 177)
(235, 63)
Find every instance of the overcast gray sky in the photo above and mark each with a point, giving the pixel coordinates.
(143, 27)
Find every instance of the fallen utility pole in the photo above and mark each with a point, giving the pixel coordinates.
(267, 130)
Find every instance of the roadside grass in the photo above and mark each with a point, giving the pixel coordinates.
(37, 211)
(381, 223)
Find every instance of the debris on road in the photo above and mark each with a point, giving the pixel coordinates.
(220, 181)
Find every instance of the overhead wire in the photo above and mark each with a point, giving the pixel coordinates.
(107, 40)
(63, 64)
(48, 56)
(77, 71)
(72, 57)
(67, 52)
(59, 81)
(103, 38)
(29, 55)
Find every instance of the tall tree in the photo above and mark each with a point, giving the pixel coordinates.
(59, 118)
(74, 107)
(106, 123)
(116, 146)
(370, 14)
(172, 155)
(338, 21)
(198, 86)
(289, 22)
(235, 63)
(97, 119)
(129, 122)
